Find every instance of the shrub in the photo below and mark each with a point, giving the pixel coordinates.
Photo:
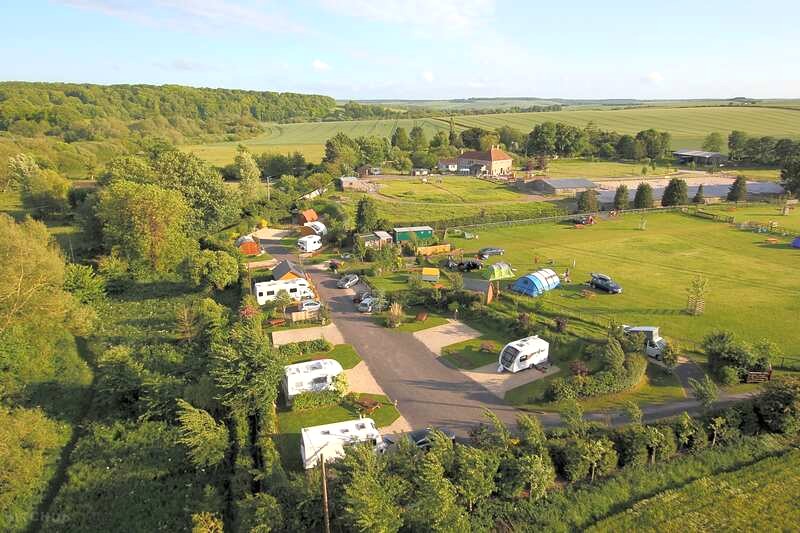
(779, 406)
(728, 375)
(579, 457)
(82, 282)
(314, 400)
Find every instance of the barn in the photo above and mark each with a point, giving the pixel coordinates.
(699, 157)
(563, 186)
(422, 233)
(536, 283)
(247, 245)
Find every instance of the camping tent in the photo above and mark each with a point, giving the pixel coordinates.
(536, 283)
(498, 271)
(796, 243)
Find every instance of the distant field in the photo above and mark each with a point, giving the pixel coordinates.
(688, 127)
(447, 189)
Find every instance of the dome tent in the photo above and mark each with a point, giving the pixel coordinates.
(536, 283)
(796, 243)
(498, 271)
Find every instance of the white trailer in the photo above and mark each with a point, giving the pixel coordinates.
(311, 376)
(309, 243)
(297, 288)
(329, 440)
(523, 353)
(317, 227)
(654, 344)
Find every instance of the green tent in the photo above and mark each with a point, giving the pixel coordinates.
(498, 271)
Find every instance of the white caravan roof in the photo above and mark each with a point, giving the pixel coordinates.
(528, 344)
(330, 439)
(313, 369)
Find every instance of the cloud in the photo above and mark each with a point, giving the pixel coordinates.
(192, 15)
(320, 65)
(445, 15)
(653, 78)
(427, 75)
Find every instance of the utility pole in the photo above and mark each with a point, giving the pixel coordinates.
(326, 517)
(269, 195)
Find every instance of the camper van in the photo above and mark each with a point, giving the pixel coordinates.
(328, 441)
(654, 344)
(297, 288)
(311, 376)
(523, 353)
(309, 243)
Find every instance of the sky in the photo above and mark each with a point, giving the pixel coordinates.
(414, 49)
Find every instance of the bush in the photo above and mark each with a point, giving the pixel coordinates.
(82, 282)
(604, 382)
(728, 375)
(779, 406)
(576, 466)
(314, 400)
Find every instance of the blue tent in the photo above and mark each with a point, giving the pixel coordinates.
(536, 283)
(796, 243)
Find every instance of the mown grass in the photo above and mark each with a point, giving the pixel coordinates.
(447, 189)
(763, 493)
(345, 354)
(291, 422)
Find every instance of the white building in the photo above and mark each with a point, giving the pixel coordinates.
(297, 288)
(329, 440)
(311, 376)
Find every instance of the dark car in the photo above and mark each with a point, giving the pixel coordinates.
(584, 220)
(450, 264)
(422, 437)
(604, 283)
(469, 265)
(484, 253)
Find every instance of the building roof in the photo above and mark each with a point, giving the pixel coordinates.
(449, 161)
(243, 239)
(309, 215)
(571, 183)
(495, 154)
(413, 228)
(696, 153)
(348, 178)
(285, 267)
(430, 271)
(316, 437)
(383, 235)
(312, 369)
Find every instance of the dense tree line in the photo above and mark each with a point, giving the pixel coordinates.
(762, 150)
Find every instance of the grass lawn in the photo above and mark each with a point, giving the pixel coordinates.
(291, 422)
(345, 354)
(754, 287)
(447, 189)
(767, 213)
(599, 170)
(264, 256)
(410, 324)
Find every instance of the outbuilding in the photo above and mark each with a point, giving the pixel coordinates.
(307, 215)
(422, 233)
(536, 283)
(286, 270)
(328, 441)
(430, 274)
(449, 164)
(376, 239)
(419, 172)
(563, 186)
(699, 157)
(247, 245)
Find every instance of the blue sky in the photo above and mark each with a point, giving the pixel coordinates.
(413, 48)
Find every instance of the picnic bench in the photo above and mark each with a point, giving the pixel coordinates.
(276, 322)
(488, 347)
(367, 405)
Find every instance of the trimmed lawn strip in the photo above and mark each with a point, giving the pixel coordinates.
(291, 422)
(345, 354)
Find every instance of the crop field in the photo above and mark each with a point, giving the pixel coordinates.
(760, 496)
(688, 126)
(754, 288)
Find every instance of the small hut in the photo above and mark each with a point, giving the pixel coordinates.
(247, 245)
(307, 215)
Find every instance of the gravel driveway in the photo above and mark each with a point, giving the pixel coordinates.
(440, 336)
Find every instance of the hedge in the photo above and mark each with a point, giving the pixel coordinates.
(295, 349)
(314, 400)
(604, 382)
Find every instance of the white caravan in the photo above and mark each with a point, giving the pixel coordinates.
(654, 344)
(317, 227)
(328, 441)
(523, 353)
(309, 243)
(298, 289)
(311, 376)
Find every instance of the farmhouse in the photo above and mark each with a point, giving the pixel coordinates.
(247, 245)
(492, 162)
(307, 215)
(422, 233)
(286, 270)
(563, 186)
(699, 157)
(449, 164)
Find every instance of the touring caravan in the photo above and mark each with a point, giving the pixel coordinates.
(523, 353)
(297, 288)
(311, 376)
(314, 228)
(329, 440)
(654, 344)
(309, 243)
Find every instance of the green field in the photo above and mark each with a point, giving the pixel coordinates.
(754, 287)
(688, 126)
(447, 189)
(760, 496)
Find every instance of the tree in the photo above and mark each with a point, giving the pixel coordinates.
(705, 391)
(790, 177)
(214, 269)
(594, 452)
(737, 140)
(572, 415)
(644, 196)
(206, 438)
(471, 138)
(542, 139)
(475, 473)
(656, 144)
(699, 197)
(207, 523)
(626, 148)
(676, 193)
(738, 190)
(259, 513)
(779, 405)
(366, 215)
(86, 286)
(656, 441)
(370, 492)
(587, 201)
(621, 198)
(147, 224)
(696, 295)
(43, 191)
(538, 473)
(713, 142)
(456, 281)
(634, 413)
(669, 356)
(532, 437)
(249, 176)
(613, 357)
(282, 301)
(400, 139)
(435, 507)
(419, 141)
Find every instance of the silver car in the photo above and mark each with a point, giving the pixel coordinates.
(347, 281)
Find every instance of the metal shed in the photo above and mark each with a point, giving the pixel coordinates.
(422, 233)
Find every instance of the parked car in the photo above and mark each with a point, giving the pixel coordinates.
(309, 305)
(370, 304)
(450, 264)
(360, 296)
(484, 253)
(584, 220)
(604, 283)
(422, 437)
(347, 281)
(469, 265)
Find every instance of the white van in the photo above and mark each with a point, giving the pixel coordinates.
(298, 289)
(523, 353)
(309, 243)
